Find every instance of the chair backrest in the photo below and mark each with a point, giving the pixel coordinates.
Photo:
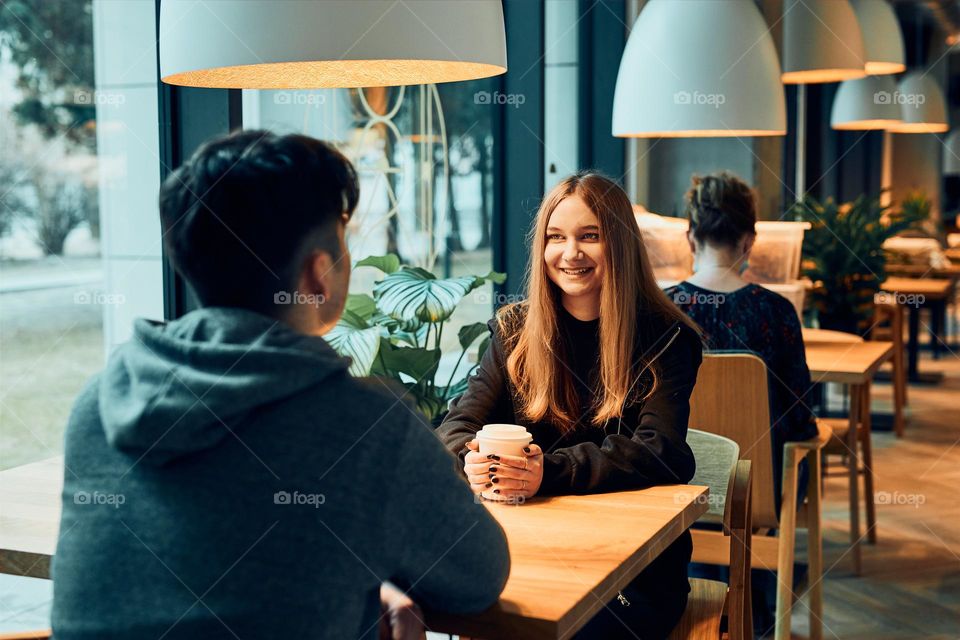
(716, 458)
(729, 478)
(730, 399)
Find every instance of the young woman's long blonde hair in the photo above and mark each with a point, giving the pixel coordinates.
(545, 386)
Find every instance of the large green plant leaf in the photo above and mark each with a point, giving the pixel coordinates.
(388, 263)
(415, 337)
(482, 349)
(416, 362)
(362, 305)
(469, 333)
(413, 293)
(353, 338)
(496, 277)
(430, 405)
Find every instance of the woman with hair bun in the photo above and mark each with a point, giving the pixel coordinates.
(736, 315)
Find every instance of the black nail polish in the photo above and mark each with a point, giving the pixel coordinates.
(496, 480)
(526, 449)
(487, 486)
(496, 490)
(491, 475)
(493, 467)
(493, 456)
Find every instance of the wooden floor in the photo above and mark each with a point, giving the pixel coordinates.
(910, 586)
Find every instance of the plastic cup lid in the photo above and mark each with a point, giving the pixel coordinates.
(504, 432)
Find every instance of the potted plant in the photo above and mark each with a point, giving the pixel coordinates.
(396, 333)
(843, 254)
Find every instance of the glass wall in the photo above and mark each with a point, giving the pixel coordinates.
(424, 155)
(79, 231)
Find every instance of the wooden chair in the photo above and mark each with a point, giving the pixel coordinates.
(888, 325)
(730, 399)
(719, 467)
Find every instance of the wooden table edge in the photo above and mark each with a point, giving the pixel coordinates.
(582, 613)
(26, 564)
(492, 624)
(820, 375)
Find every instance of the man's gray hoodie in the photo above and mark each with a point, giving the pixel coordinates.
(226, 477)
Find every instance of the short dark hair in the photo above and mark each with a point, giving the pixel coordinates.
(722, 209)
(243, 213)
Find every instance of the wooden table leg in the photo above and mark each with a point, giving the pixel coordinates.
(938, 312)
(856, 402)
(866, 447)
(913, 345)
(815, 545)
(899, 374)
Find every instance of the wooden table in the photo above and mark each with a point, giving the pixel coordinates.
(853, 364)
(30, 517)
(827, 336)
(923, 271)
(569, 556)
(908, 293)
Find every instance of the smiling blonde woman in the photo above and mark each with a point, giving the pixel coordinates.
(598, 365)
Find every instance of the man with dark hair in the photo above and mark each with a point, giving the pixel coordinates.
(225, 476)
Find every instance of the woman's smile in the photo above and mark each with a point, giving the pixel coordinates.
(578, 273)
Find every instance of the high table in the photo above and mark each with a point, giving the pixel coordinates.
(569, 555)
(914, 293)
(853, 364)
(813, 337)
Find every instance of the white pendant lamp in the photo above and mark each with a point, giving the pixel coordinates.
(294, 44)
(882, 40)
(699, 68)
(922, 106)
(821, 42)
(866, 104)
(951, 154)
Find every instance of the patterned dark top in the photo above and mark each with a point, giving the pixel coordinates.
(758, 320)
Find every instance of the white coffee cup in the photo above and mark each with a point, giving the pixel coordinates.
(502, 440)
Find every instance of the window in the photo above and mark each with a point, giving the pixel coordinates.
(79, 229)
(424, 155)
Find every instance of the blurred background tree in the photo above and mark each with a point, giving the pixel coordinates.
(51, 44)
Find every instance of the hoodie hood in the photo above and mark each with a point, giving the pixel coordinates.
(181, 387)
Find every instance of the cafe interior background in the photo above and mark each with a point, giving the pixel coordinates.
(843, 107)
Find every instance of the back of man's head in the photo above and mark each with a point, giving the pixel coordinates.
(242, 216)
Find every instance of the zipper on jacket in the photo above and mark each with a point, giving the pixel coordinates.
(640, 375)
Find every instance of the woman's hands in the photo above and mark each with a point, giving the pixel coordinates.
(512, 477)
(401, 618)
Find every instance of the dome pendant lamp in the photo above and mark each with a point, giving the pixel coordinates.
(293, 44)
(687, 72)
